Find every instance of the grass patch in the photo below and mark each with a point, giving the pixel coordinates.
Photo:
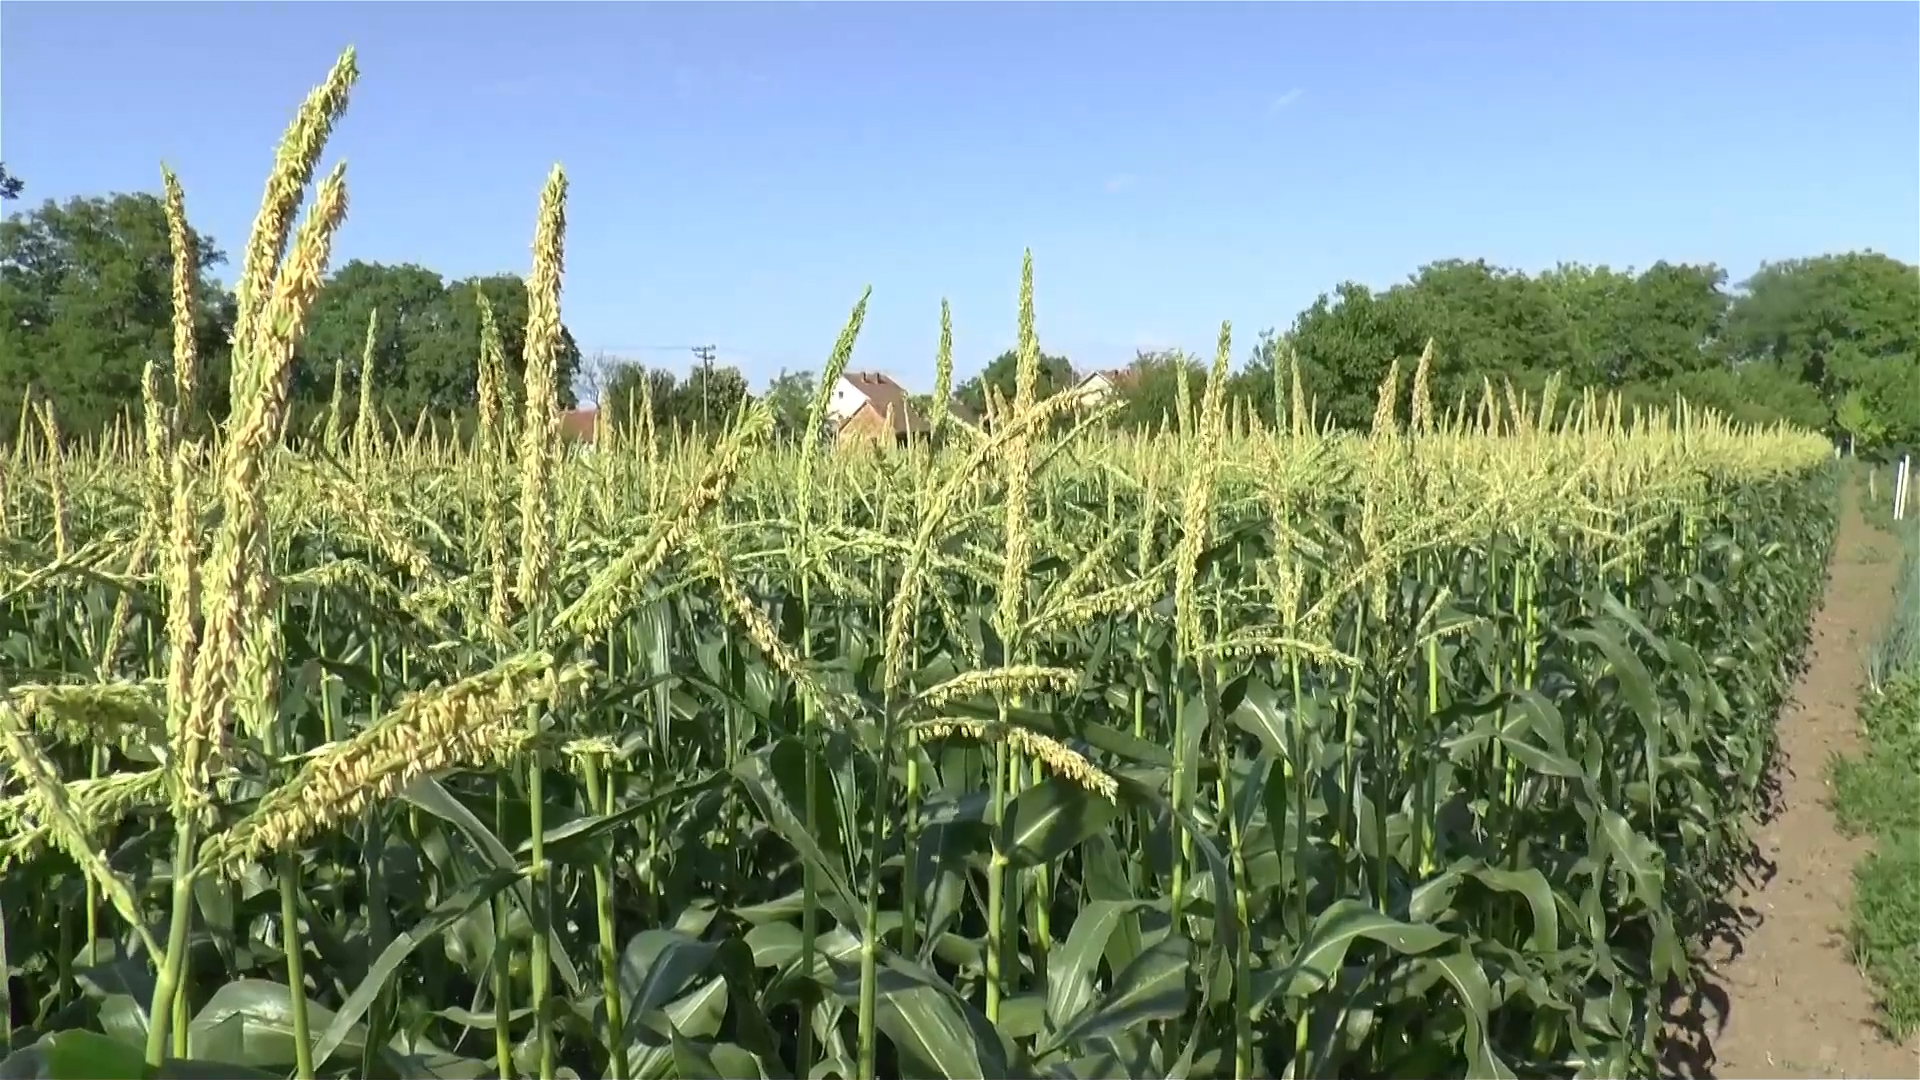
(1878, 791)
(1875, 480)
(1885, 931)
(1877, 794)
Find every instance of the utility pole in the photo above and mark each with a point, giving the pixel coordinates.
(705, 353)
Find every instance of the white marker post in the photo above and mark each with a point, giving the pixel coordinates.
(1902, 476)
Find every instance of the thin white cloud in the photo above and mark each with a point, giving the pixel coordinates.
(1286, 99)
(1121, 182)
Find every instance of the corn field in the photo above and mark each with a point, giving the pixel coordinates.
(1246, 749)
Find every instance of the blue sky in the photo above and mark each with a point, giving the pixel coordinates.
(740, 171)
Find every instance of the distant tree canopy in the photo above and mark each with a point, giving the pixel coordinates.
(1056, 374)
(1831, 343)
(86, 302)
(1813, 341)
(704, 401)
(790, 396)
(425, 344)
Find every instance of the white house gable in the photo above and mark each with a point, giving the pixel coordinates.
(845, 400)
(1095, 389)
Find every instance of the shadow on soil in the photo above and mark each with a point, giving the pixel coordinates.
(1695, 1014)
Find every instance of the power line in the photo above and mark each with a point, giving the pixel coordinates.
(616, 349)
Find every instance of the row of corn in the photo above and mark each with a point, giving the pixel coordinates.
(1244, 748)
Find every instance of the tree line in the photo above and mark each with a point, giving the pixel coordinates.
(86, 303)
(1831, 342)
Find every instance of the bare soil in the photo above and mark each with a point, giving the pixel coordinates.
(1782, 998)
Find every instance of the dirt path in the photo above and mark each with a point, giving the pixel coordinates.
(1784, 999)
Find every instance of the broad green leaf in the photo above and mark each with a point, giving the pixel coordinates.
(1249, 791)
(656, 966)
(182, 1069)
(575, 842)
(428, 794)
(935, 1031)
(87, 1055)
(250, 1022)
(755, 774)
(787, 765)
(838, 945)
(1051, 818)
(928, 1033)
(444, 915)
(692, 1061)
(1541, 761)
(1533, 886)
(1261, 715)
(1332, 933)
(1106, 879)
(123, 988)
(1153, 987)
(756, 1036)
(124, 1017)
(1638, 856)
(1226, 927)
(1469, 982)
(697, 1015)
(75, 1055)
(1070, 971)
(737, 1063)
(1635, 682)
(1022, 1015)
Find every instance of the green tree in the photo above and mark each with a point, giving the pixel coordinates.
(411, 302)
(1675, 322)
(707, 399)
(629, 387)
(1889, 392)
(86, 300)
(1056, 374)
(1597, 303)
(1484, 320)
(507, 295)
(790, 397)
(1150, 394)
(1759, 392)
(1253, 382)
(1345, 343)
(1833, 318)
(702, 403)
(426, 343)
(1654, 334)
(1858, 419)
(10, 185)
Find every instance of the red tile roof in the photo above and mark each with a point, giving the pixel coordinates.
(579, 423)
(888, 399)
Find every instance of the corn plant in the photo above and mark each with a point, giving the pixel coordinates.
(1242, 748)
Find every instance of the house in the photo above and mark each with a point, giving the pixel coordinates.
(1098, 388)
(869, 405)
(580, 425)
